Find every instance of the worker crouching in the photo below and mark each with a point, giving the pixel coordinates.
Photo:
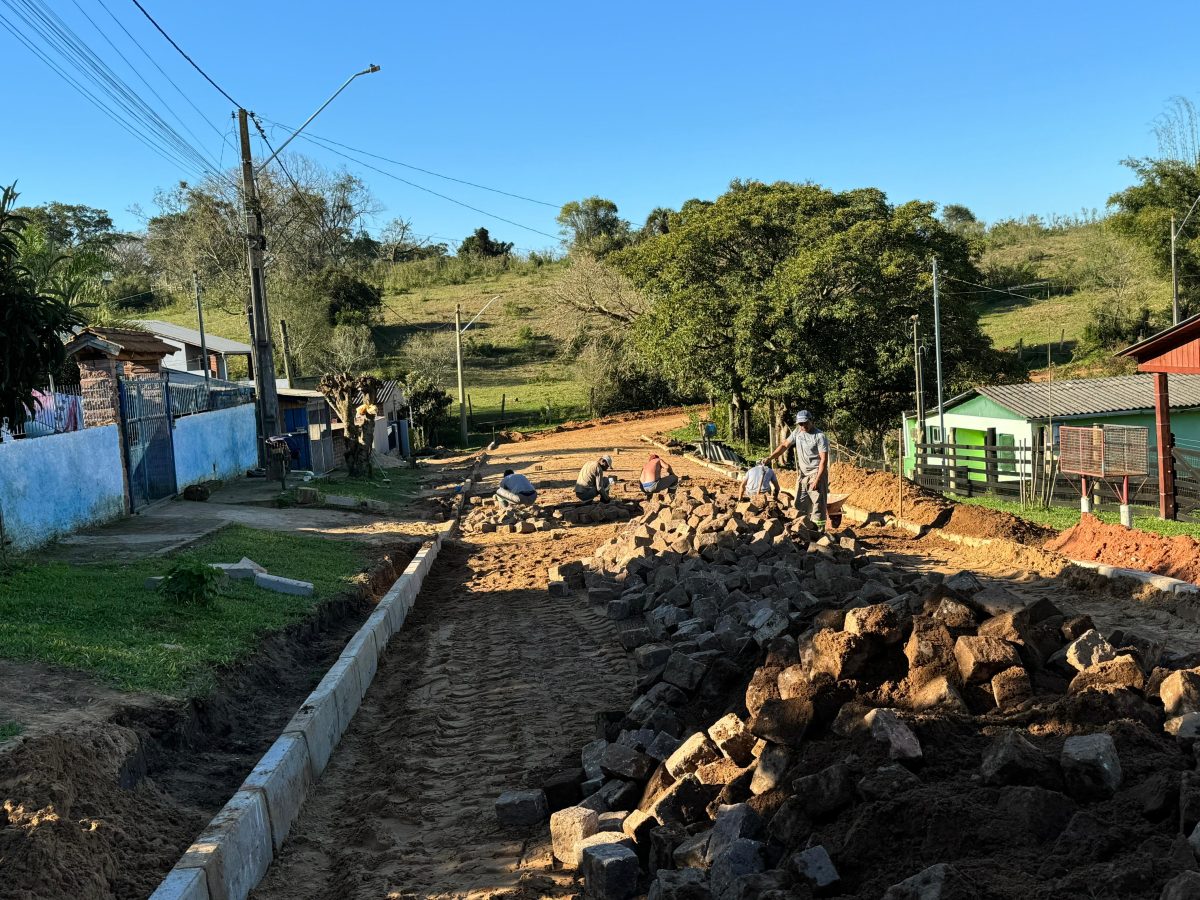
(594, 480)
(658, 476)
(515, 490)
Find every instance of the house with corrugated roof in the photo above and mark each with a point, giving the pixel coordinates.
(188, 355)
(1016, 415)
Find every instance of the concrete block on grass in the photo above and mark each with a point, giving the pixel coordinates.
(235, 849)
(319, 722)
(281, 585)
(284, 776)
(182, 884)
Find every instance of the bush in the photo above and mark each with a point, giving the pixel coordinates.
(191, 582)
(349, 300)
(132, 293)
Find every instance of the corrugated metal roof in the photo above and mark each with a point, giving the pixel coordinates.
(1091, 396)
(173, 332)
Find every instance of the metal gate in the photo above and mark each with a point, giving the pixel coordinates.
(149, 445)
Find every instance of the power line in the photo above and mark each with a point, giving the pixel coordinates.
(420, 187)
(133, 69)
(113, 114)
(171, 41)
(161, 70)
(988, 289)
(396, 162)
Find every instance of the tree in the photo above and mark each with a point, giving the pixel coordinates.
(598, 290)
(794, 293)
(658, 222)
(343, 391)
(71, 226)
(428, 404)
(350, 348)
(960, 220)
(1165, 187)
(593, 225)
(348, 299)
(32, 323)
(481, 244)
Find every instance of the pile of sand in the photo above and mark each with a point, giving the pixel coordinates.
(1094, 541)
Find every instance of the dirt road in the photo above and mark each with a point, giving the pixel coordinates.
(491, 686)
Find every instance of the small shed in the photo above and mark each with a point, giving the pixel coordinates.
(307, 422)
(1175, 351)
(105, 355)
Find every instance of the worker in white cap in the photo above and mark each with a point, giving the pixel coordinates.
(812, 465)
(594, 481)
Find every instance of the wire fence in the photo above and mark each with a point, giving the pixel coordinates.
(187, 399)
(57, 409)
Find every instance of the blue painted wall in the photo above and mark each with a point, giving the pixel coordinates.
(215, 445)
(51, 486)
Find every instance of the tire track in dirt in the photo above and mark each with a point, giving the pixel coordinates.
(491, 685)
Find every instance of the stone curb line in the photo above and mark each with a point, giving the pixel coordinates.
(720, 470)
(235, 850)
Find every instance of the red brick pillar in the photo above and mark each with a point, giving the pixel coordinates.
(98, 381)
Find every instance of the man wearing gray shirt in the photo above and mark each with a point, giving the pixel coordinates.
(812, 464)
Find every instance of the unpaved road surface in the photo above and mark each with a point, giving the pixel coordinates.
(491, 685)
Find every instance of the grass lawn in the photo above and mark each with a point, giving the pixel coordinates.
(1064, 517)
(396, 486)
(100, 618)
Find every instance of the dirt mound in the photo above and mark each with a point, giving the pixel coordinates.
(878, 492)
(978, 521)
(1094, 541)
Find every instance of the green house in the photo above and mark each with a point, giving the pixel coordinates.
(1016, 415)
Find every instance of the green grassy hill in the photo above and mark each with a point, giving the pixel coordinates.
(512, 352)
(1056, 313)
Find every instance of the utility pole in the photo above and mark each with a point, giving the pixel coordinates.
(919, 381)
(1174, 277)
(462, 397)
(200, 319)
(287, 351)
(937, 349)
(264, 361)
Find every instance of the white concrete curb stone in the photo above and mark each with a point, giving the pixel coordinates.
(235, 849)
(283, 776)
(182, 884)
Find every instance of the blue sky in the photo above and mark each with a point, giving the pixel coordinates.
(1010, 108)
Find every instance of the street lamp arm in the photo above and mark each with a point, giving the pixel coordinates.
(367, 71)
(1191, 210)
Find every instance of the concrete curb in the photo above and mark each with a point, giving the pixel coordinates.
(235, 850)
(727, 471)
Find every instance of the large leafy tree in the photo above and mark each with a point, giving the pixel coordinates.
(593, 224)
(71, 226)
(1164, 187)
(480, 243)
(794, 293)
(32, 323)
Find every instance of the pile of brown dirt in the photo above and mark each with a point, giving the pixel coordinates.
(1094, 541)
(879, 492)
(978, 521)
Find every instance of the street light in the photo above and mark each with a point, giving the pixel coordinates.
(1174, 272)
(260, 331)
(345, 84)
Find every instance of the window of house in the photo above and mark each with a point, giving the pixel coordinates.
(1006, 454)
(934, 434)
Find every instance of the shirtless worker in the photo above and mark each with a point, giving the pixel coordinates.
(657, 475)
(812, 464)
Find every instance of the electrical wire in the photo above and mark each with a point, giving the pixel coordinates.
(162, 71)
(420, 187)
(67, 44)
(141, 77)
(103, 107)
(193, 63)
(396, 162)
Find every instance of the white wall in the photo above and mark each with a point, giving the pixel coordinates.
(215, 445)
(53, 485)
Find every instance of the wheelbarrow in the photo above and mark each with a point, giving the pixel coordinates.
(833, 507)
